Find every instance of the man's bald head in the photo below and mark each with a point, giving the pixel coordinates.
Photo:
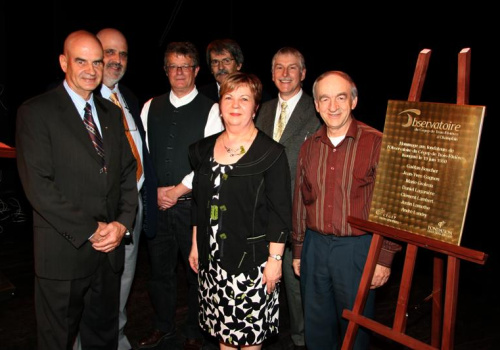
(82, 61)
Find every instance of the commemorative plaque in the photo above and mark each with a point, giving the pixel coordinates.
(426, 168)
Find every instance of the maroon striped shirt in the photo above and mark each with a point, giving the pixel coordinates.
(333, 183)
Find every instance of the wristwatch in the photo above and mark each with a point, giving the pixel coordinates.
(275, 256)
(127, 239)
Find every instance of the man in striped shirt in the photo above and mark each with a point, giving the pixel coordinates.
(335, 179)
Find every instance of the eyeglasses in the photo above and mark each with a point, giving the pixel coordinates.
(174, 68)
(225, 62)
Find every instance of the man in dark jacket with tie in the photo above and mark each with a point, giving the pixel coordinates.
(289, 119)
(84, 201)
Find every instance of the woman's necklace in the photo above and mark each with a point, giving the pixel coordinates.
(234, 151)
(238, 151)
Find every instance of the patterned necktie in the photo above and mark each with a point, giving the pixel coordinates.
(281, 122)
(114, 98)
(88, 120)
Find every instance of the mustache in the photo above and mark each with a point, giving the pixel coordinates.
(114, 65)
(222, 71)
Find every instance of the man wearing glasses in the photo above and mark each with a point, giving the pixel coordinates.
(172, 122)
(224, 56)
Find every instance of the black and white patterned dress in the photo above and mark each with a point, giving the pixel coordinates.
(236, 309)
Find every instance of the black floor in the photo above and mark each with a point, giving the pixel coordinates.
(477, 321)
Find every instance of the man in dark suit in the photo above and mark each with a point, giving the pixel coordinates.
(79, 175)
(289, 119)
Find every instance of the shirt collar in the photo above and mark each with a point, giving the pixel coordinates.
(78, 100)
(179, 102)
(351, 132)
(292, 102)
(106, 91)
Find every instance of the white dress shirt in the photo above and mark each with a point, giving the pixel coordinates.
(290, 106)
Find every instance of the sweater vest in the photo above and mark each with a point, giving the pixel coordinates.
(170, 132)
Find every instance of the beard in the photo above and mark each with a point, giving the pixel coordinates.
(113, 73)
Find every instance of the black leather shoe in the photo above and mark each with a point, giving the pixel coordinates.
(193, 344)
(154, 338)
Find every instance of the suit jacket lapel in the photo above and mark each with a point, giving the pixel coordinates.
(268, 123)
(133, 109)
(295, 120)
(72, 118)
(103, 115)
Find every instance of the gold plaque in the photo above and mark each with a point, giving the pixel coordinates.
(426, 167)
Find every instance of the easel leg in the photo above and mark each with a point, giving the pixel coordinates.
(450, 303)
(399, 324)
(437, 301)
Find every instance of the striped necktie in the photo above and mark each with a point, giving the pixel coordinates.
(95, 137)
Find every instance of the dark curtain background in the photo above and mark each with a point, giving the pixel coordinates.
(376, 44)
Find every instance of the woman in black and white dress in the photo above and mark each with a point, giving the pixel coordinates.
(241, 221)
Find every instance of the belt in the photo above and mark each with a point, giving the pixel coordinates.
(185, 197)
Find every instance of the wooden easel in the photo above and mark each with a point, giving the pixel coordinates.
(443, 320)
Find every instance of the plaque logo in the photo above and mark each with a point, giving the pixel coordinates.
(412, 120)
(387, 216)
(408, 113)
(440, 229)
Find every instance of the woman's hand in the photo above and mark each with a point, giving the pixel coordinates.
(193, 254)
(272, 274)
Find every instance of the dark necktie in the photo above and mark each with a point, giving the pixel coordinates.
(88, 120)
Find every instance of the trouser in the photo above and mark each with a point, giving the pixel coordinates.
(331, 269)
(131, 251)
(88, 305)
(174, 236)
(294, 299)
